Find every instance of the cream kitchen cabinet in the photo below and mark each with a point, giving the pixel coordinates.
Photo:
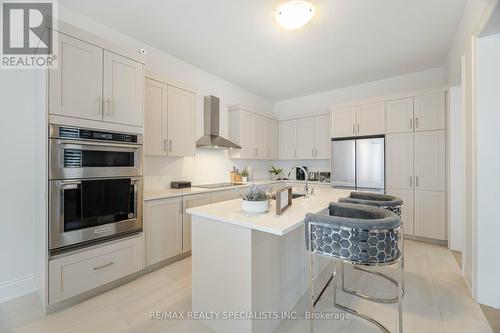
(406, 210)
(305, 142)
(191, 201)
(430, 161)
(163, 229)
(360, 120)
(288, 134)
(225, 195)
(399, 114)
(430, 214)
(399, 161)
(122, 90)
(181, 122)
(370, 119)
(81, 77)
(322, 137)
(169, 120)
(96, 84)
(344, 122)
(255, 134)
(430, 112)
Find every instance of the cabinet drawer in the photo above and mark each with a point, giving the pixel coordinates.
(75, 274)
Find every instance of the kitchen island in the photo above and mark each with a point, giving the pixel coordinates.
(249, 266)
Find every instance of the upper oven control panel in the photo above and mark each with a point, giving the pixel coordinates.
(64, 132)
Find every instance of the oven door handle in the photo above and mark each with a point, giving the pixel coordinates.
(131, 146)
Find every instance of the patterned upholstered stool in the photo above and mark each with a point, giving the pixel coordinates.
(359, 235)
(390, 203)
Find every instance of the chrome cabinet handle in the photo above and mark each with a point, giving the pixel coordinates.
(358, 130)
(164, 144)
(416, 122)
(294, 153)
(353, 128)
(411, 181)
(170, 145)
(103, 266)
(416, 181)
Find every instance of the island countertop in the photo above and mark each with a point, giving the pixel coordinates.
(230, 212)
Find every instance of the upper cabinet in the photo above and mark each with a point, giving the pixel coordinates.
(430, 112)
(370, 119)
(122, 90)
(361, 120)
(95, 84)
(306, 146)
(399, 115)
(344, 122)
(169, 120)
(257, 135)
(81, 77)
(288, 139)
(322, 136)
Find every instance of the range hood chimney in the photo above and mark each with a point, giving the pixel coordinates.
(211, 138)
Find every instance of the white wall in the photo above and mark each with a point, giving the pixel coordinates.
(17, 189)
(321, 102)
(207, 166)
(456, 175)
(488, 166)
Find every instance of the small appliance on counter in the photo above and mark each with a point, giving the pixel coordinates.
(180, 184)
(300, 174)
(324, 177)
(314, 176)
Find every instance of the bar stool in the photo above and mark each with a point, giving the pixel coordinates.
(359, 235)
(390, 203)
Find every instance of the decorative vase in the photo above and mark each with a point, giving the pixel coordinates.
(255, 206)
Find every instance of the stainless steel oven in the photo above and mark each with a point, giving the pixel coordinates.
(95, 186)
(85, 153)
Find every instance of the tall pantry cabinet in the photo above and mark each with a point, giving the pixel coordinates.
(416, 162)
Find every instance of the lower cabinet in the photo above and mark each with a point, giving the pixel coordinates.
(77, 273)
(406, 210)
(430, 214)
(191, 201)
(163, 229)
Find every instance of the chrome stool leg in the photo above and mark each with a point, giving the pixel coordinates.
(311, 291)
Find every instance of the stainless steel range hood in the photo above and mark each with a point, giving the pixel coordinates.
(211, 138)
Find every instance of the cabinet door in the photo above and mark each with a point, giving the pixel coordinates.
(370, 119)
(399, 115)
(344, 122)
(322, 137)
(272, 139)
(430, 161)
(155, 126)
(306, 136)
(288, 139)
(399, 161)
(430, 112)
(181, 110)
(259, 137)
(163, 229)
(75, 87)
(123, 86)
(406, 209)
(430, 218)
(191, 201)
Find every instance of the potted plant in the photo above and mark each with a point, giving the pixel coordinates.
(244, 175)
(275, 172)
(256, 200)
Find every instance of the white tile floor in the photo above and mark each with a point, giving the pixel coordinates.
(436, 300)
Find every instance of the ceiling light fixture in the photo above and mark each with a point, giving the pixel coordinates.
(294, 14)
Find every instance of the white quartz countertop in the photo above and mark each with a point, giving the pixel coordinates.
(230, 212)
(170, 192)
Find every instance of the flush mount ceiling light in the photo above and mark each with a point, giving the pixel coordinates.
(294, 14)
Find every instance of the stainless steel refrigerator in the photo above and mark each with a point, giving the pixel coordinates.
(358, 163)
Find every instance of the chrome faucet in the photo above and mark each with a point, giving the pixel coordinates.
(306, 187)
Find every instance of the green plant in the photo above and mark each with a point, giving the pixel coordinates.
(276, 170)
(244, 173)
(256, 193)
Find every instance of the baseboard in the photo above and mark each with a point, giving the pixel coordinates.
(427, 240)
(17, 287)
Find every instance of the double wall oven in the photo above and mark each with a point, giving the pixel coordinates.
(95, 186)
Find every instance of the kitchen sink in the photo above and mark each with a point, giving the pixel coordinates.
(297, 195)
